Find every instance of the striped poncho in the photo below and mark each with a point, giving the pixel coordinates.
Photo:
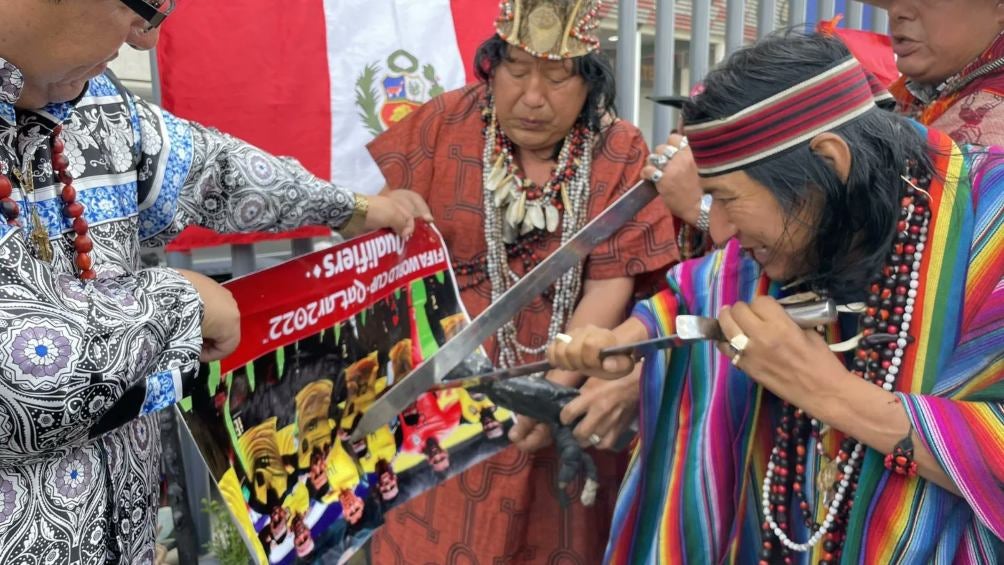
(691, 494)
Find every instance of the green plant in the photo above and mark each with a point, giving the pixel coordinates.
(226, 543)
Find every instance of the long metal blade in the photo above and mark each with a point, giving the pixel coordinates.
(533, 284)
(638, 350)
(689, 329)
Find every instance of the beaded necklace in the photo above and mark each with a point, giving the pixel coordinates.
(878, 357)
(82, 243)
(518, 217)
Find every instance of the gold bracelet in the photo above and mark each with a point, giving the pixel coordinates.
(357, 222)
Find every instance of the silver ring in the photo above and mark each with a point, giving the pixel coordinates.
(658, 161)
(684, 143)
(595, 439)
(563, 338)
(669, 152)
(656, 176)
(736, 358)
(740, 342)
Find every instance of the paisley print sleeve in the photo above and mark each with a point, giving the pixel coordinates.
(193, 175)
(71, 351)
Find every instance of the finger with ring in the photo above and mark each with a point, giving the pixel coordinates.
(684, 143)
(658, 161)
(736, 358)
(563, 338)
(595, 439)
(656, 176)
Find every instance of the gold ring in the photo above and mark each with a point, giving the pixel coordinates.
(740, 342)
(563, 338)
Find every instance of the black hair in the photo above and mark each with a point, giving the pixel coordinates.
(593, 67)
(852, 234)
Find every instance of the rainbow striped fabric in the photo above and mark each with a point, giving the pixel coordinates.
(691, 493)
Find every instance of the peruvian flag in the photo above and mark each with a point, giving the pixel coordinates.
(315, 79)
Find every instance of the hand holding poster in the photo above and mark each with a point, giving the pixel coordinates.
(322, 337)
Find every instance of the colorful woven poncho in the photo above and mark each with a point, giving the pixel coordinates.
(691, 494)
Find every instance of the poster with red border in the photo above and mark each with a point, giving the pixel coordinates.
(323, 336)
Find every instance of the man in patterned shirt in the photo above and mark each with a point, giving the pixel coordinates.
(88, 174)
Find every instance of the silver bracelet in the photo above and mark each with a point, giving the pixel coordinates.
(704, 217)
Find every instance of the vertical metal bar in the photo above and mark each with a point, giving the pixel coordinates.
(188, 484)
(179, 260)
(766, 17)
(185, 508)
(665, 52)
(827, 9)
(700, 40)
(880, 20)
(242, 259)
(855, 14)
(155, 76)
(796, 12)
(627, 60)
(302, 246)
(735, 25)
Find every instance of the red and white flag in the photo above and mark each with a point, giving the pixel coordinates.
(317, 79)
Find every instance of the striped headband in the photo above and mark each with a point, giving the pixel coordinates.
(797, 114)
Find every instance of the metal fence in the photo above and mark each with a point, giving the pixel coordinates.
(770, 15)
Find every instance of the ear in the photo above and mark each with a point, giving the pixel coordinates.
(834, 150)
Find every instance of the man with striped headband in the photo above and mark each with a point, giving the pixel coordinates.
(878, 439)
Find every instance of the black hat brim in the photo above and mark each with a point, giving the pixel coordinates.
(674, 101)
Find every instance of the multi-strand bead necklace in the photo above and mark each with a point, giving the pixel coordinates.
(519, 215)
(877, 359)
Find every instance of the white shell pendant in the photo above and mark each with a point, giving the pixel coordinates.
(535, 216)
(504, 193)
(552, 217)
(498, 173)
(526, 228)
(508, 233)
(517, 211)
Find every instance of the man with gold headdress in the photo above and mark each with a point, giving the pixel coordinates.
(513, 166)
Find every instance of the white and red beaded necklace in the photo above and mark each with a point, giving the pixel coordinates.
(82, 243)
(885, 337)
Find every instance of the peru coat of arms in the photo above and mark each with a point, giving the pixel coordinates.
(385, 97)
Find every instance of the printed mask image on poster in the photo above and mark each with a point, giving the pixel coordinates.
(323, 336)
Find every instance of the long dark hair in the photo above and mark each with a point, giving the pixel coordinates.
(593, 67)
(853, 231)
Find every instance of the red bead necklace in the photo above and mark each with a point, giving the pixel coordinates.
(82, 243)
(877, 359)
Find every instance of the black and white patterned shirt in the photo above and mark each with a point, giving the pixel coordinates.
(73, 355)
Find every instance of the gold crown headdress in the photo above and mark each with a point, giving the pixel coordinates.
(552, 29)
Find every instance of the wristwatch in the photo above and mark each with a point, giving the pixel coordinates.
(704, 217)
